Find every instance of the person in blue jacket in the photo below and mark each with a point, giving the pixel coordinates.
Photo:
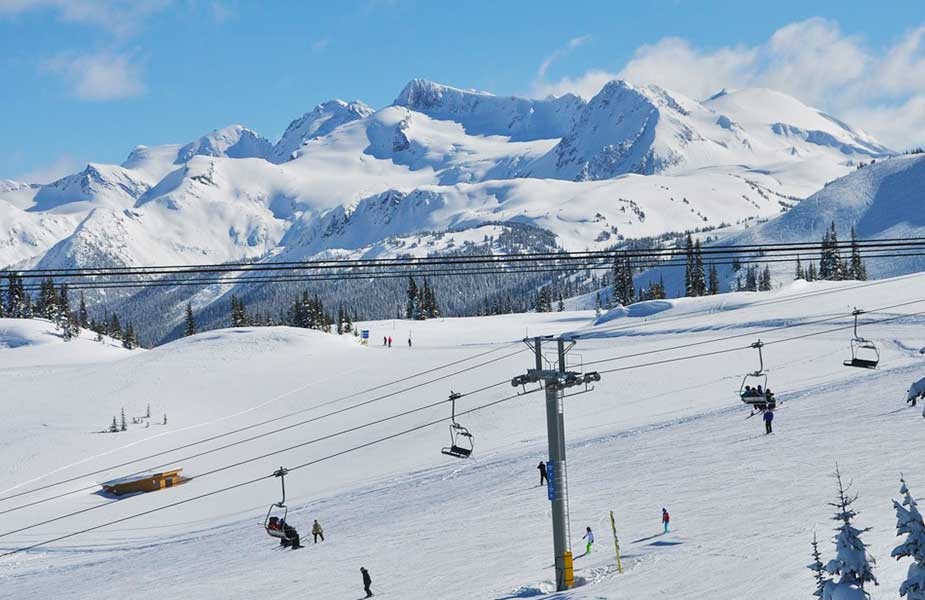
(768, 417)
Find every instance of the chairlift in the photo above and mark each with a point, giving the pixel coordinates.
(461, 441)
(755, 381)
(275, 521)
(864, 353)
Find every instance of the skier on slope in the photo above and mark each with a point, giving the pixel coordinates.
(666, 519)
(367, 581)
(768, 417)
(543, 476)
(390, 341)
(589, 536)
(317, 531)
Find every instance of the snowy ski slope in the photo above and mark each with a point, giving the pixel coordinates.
(744, 506)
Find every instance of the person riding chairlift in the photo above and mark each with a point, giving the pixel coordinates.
(274, 523)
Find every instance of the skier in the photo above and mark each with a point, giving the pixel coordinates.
(317, 531)
(367, 581)
(409, 341)
(590, 537)
(385, 341)
(292, 536)
(543, 477)
(390, 341)
(768, 417)
(666, 519)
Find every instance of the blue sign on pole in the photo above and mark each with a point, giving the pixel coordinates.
(550, 481)
(364, 333)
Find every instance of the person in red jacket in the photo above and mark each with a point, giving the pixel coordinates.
(666, 518)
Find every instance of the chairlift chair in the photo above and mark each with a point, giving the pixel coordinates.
(461, 441)
(753, 381)
(278, 512)
(864, 353)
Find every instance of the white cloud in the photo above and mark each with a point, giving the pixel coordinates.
(61, 166)
(559, 53)
(98, 76)
(882, 92)
(120, 17)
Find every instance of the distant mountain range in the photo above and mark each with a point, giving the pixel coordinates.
(345, 179)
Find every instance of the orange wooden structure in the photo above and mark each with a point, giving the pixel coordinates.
(146, 482)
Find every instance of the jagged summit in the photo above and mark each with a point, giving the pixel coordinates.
(320, 121)
(234, 141)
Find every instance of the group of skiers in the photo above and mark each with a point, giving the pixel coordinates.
(588, 537)
(387, 341)
(751, 392)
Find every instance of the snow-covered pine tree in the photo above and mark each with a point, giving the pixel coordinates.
(798, 274)
(818, 570)
(190, 328)
(713, 288)
(16, 304)
(699, 278)
(83, 316)
(412, 294)
(128, 339)
(47, 305)
(689, 266)
(623, 290)
(909, 523)
(148, 412)
(764, 280)
(238, 312)
(597, 304)
(123, 426)
(852, 565)
(67, 322)
(856, 268)
(751, 279)
(115, 328)
(114, 428)
(811, 273)
(561, 304)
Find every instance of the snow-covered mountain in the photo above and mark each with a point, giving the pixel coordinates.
(630, 162)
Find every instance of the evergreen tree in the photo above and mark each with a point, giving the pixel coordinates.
(124, 425)
(16, 302)
(148, 412)
(114, 428)
(818, 570)
(340, 320)
(115, 328)
(811, 274)
(689, 266)
(799, 270)
(597, 304)
(764, 280)
(412, 293)
(238, 312)
(751, 279)
(561, 305)
(909, 523)
(736, 264)
(699, 279)
(856, 268)
(190, 321)
(714, 281)
(852, 565)
(83, 316)
(47, 305)
(128, 338)
(623, 289)
(831, 266)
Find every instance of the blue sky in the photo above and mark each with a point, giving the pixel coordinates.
(87, 80)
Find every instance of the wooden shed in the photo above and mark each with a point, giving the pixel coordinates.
(145, 482)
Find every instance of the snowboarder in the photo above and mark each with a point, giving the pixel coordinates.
(543, 477)
(666, 519)
(589, 536)
(367, 581)
(390, 341)
(768, 417)
(317, 531)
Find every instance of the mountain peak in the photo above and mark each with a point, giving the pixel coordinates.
(233, 141)
(320, 121)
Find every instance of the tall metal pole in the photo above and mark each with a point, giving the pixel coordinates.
(558, 479)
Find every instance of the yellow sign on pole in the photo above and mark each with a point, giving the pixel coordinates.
(616, 542)
(569, 570)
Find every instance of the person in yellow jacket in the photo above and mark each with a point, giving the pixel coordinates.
(317, 531)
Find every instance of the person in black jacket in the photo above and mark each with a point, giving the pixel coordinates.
(367, 581)
(543, 476)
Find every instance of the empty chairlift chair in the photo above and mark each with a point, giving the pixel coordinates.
(864, 353)
(754, 388)
(461, 441)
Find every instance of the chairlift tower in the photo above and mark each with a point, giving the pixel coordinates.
(556, 381)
